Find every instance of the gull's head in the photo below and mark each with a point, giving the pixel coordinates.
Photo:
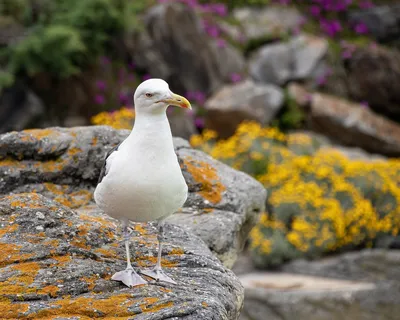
(154, 96)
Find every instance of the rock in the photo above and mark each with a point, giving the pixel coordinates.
(365, 265)
(382, 22)
(267, 23)
(276, 296)
(60, 267)
(19, 108)
(174, 47)
(348, 123)
(281, 62)
(246, 100)
(182, 123)
(380, 91)
(64, 164)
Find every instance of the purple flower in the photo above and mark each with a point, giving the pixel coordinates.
(99, 99)
(236, 77)
(220, 9)
(331, 27)
(199, 97)
(346, 54)
(105, 60)
(146, 77)
(212, 31)
(321, 80)
(101, 85)
(366, 4)
(123, 99)
(315, 11)
(221, 43)
(199, 122)
(361, 28)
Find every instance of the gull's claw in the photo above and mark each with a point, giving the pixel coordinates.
(158, 275)
(129, 278)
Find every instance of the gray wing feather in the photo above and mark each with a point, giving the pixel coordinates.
(103, 172)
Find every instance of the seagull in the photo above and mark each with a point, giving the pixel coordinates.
(141, 179)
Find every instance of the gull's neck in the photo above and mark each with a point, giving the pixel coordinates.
(152, 127)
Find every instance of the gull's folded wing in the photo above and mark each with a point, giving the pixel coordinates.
(107, 162)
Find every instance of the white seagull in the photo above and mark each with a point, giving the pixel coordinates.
(141, 179)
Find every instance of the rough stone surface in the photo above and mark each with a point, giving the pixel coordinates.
(268, 23)
(348, 123)
(380, 91)
(277, 296)
(281, 62)
(174, 47)
(246, 100)
(383, 22)
(365, 265)
(64, 164)
(57, 264)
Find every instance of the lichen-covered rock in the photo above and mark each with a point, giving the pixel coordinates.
(57, 264)
(64, 164)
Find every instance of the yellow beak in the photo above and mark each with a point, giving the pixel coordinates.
(178, 101)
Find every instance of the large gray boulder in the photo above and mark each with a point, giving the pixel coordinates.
(174, 47)
(297, 59)
(347, 122)
(246, 100)
(60, 250)
(269, 22)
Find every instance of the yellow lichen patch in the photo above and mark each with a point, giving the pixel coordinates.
(114, 306)
(207, 176)
(176, 251)
(151, 261)
(8, 230)
(62, 260)
(52, 243)
(106, 252)
(11, 253)
(50, 290)
(91, 281)
(25, 200)
(38, 134)
(13, 310)
(19, 284)
(80, 243)
(151, 305)
(74, 151)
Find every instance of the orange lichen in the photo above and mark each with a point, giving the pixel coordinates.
(38, 134)
(91, 281)
(207, 176)
(8, 229)
(204, 304)
(80, 243)
(150, 261)
(83, 230)
(62, 260)
(94, 141)
(177, 251)
(150, 305)
(13, 310)
(25, 200)
(114, 306)
(74, 151)
(11, 253)
(19, 284)
(50, 290)
(51, 242)
(139, 228)
(207, 210)
(106, 252)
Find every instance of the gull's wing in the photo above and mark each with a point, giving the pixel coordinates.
(107, 162)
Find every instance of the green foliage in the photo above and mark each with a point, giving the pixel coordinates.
(57, 49)
(292, 116)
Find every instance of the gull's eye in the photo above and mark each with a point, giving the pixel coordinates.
(149, 95)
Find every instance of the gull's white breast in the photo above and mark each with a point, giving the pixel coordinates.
(144, 183)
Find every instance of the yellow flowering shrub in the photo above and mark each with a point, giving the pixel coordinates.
(319, 201)
(120, 119)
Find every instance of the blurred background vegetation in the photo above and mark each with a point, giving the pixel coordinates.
(296, 93)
